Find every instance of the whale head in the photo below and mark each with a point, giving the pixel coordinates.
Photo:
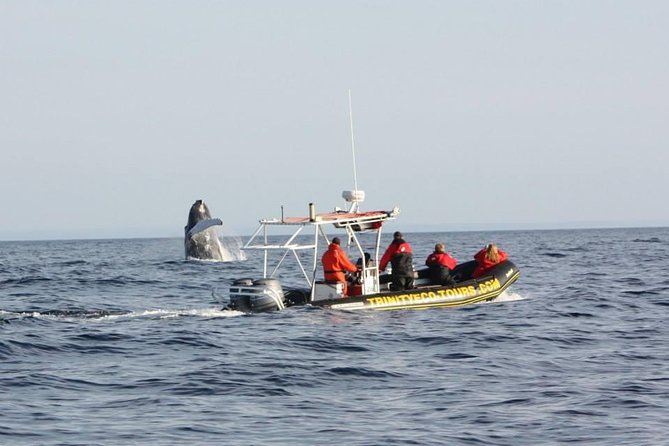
(200, 238)
(198, 212)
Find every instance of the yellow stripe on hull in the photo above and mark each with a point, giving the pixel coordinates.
(369, 302)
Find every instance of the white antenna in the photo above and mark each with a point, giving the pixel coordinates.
(355, 196)
(350, 114)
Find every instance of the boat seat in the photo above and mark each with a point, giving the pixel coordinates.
(328, 290)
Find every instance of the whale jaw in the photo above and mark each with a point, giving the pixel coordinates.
(204, 245)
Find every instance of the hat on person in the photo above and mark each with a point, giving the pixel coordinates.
(336, 241)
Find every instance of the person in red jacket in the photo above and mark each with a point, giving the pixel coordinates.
(487, 258)
(440, 264)
(336, 263)
(400, 256)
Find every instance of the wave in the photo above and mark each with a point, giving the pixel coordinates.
(650, 292)
(554, 254)
(116, 281)
(71, 262)
(647, 240)
(27, 280)
(361, 372)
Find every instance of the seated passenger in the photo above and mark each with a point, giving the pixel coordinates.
(355, 287)
(400, 257)
(368, 261)
(336, 263)
(487, 258)
(440, 264)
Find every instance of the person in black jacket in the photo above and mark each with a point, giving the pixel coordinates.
(400, 256)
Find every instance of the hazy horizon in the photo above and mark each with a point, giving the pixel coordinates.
(387, 232)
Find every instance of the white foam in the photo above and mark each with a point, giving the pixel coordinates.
(153, 313)
(508, 296)
(170, 314)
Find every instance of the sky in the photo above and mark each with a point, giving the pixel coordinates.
(115, 116)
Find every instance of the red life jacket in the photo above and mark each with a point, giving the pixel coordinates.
(483, 264)
(441, 258)
(396, 247)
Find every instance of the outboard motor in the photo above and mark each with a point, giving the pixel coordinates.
(256, 296)
(239, 300)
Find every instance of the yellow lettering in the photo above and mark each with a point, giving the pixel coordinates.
(490, 285)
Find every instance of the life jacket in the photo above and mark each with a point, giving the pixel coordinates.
(396, 247)
(441, 258)
(483, 264)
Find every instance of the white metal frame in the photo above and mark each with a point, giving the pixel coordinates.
(351, 222)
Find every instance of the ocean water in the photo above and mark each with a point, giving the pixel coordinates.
(120, 342)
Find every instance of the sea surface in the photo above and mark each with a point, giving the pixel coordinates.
(123, 342)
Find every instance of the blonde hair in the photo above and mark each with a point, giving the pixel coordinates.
(491, 253)
(439, 247)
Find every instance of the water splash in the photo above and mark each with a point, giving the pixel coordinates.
(232, 249)
(508, 296)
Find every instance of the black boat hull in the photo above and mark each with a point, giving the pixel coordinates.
(463, 292)
(485, 288)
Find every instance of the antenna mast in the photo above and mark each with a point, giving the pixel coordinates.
(350, 114)
(355, 196)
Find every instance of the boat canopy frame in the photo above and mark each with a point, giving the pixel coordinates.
(351, 222)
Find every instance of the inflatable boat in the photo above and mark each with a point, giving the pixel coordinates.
(368, 289)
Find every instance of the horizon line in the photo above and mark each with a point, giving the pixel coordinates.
(416, 230)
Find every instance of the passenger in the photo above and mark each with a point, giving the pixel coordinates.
(356, 280)
(368, 264)
(487, 258)
(440, 265)
(336, 263)
(400, 256)
(368, 261)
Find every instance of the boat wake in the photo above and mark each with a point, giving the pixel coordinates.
(102, 316)
(171, 314)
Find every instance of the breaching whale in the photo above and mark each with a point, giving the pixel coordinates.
(201, 240)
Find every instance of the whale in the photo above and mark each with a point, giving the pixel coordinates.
(200, 237)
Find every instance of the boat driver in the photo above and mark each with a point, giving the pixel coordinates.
(336, 263)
